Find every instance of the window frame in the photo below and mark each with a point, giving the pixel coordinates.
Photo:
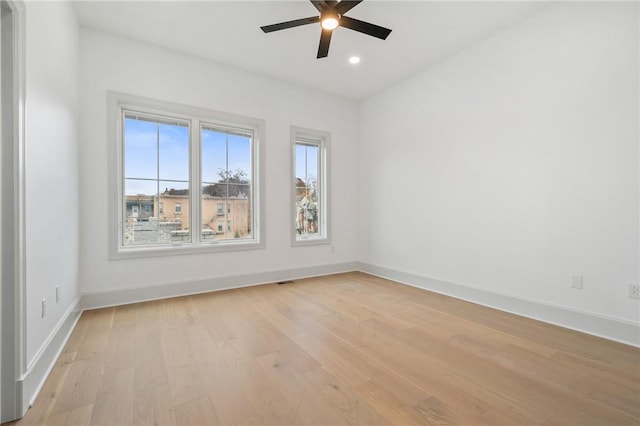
(118, 103)
(323, 140)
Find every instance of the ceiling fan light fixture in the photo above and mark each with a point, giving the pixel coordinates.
(331, 17)
(329, 20)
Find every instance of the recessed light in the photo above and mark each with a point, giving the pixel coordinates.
(354, 60)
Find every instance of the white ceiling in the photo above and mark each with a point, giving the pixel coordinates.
(228, 32)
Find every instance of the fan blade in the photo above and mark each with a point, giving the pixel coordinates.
(346, 5)
(323, 5)
(365, 27)
(290, 24)
(325, 40)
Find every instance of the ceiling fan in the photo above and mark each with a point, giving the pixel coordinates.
(331, 17)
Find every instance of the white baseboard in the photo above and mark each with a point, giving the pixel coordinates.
(626, 332)
(114, 297)
(31, 382)
(609, 328)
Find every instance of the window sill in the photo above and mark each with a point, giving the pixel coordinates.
(179, 249)
(310, 241)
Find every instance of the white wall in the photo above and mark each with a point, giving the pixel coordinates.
(514, 165)
(51, 172)
(111, 63)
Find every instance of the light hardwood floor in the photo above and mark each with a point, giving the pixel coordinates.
(342, 349)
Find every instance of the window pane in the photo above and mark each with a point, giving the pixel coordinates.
(214, 155)
(138, 194)
(140, 148)
(139, 229)
(149, 142)
(174, 197)
(226, 184)
(174, 152)
(241, 211)
(307, 161)
(140, 186)
(240, 155)
(307, 190)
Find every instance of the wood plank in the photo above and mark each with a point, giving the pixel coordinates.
(119, 354)
(153, 406)
(267, 401)
(316, 348)
(197, 412)
(96, 336)
(342, 398)
(114, 399)
(292, 352)
(75, 417)
(80, 386)
(149, 364)
(385, 403)
(310, 408)
(229, 400)
(186, 384)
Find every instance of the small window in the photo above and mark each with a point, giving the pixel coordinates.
(160, 207)
(310, 186)
(228, 226)
(220, 226)
(178, 208)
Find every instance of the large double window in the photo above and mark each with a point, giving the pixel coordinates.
(187, 179)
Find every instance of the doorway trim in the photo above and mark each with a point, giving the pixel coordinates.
(12, 226)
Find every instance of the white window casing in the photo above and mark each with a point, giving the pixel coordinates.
(196, 119)
(310, 203)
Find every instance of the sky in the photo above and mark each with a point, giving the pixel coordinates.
(160, 152)
(170, 169)
(306, 162)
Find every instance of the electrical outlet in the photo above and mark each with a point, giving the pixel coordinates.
(44, 308)
(57, 293)
(634, 291)
(576, 281)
